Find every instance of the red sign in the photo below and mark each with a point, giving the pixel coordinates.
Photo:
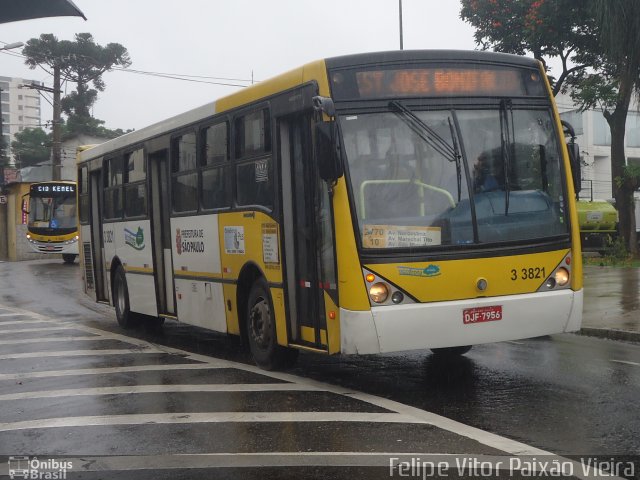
(482, 314)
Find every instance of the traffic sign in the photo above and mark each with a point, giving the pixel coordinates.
(3, 199)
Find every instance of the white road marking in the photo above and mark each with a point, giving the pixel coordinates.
(137, 389)
(29, 330)
(80, 353)
(12, 314)
(107, 370)
(212, 417)
(406, 413)
(626, 362)
(50, 340)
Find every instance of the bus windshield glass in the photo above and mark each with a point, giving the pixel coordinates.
(454, 177)
(53, 212)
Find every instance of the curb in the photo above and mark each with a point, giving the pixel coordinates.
(610, 334)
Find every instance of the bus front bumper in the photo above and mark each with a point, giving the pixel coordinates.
(435, 325)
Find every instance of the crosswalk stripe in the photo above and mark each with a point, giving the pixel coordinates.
(79, 353)
(230, 387)
(51, 340)
(107, 370)
(215, 417)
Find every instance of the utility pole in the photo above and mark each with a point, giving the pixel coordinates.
(56, 168)
(56, 156)
(2, 157)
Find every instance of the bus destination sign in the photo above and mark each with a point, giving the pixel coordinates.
(445, 81)
(53, 188)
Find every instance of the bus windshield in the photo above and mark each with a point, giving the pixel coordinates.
(437, 178)
(53, 212)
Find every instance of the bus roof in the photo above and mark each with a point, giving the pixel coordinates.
(312, 71)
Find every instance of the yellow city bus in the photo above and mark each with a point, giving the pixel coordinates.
(52, 223)
(361, 204)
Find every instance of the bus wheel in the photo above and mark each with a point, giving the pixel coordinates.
(121, 299)
(69, 257)
(451, 351)
(261, 330)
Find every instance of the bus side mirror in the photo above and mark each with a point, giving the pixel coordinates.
(327, 155)
(574, 155)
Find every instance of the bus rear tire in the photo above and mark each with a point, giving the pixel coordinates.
(261, 331)
(126, 319)
(451, 351)
(69, 257)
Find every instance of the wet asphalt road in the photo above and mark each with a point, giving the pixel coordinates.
(566, 394)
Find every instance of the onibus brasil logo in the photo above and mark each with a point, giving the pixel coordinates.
(134, 239)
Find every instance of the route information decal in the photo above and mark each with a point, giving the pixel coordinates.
(393, 236)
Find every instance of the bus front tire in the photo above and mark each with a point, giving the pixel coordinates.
(261, 331)
(451, 351)
(69, 257)
(121, 299)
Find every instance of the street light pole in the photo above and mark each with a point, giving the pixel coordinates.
(401, 42)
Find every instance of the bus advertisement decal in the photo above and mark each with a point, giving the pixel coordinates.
(134, 239)
(234, 240)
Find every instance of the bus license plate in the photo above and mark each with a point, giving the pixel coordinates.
(482, 314)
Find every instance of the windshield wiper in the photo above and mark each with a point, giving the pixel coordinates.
(508, 142)
(431, 137)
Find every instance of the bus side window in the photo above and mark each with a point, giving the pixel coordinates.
(135, 190)
(216, 175)
(113, 195)
(184, 181)
(254, 176)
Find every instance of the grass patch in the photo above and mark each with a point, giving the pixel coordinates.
(609, 261)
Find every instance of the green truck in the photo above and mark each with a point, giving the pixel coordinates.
(598, 220)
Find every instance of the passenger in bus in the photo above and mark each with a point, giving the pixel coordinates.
(485, 176)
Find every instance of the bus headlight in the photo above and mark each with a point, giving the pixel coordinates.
(378, 292)
(562, 276)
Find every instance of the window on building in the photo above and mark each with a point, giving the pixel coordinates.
(601, 130)
(632, 135)
(574, 117)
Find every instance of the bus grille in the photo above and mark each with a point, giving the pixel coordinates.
(88, 265)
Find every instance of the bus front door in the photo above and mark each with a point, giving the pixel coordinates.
(161, 232)
(308, 235)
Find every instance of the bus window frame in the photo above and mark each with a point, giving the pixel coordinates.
(225, 166)
(173, 152)
(109, 188)
(126, 182)
(239, 160)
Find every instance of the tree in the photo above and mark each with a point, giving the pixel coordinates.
(31, 146)
(611, 87)
(81, 61)
(561, 29)
(597, 42)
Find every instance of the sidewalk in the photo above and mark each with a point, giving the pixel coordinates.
(611, 303)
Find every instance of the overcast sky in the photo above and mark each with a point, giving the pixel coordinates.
(231, 39)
